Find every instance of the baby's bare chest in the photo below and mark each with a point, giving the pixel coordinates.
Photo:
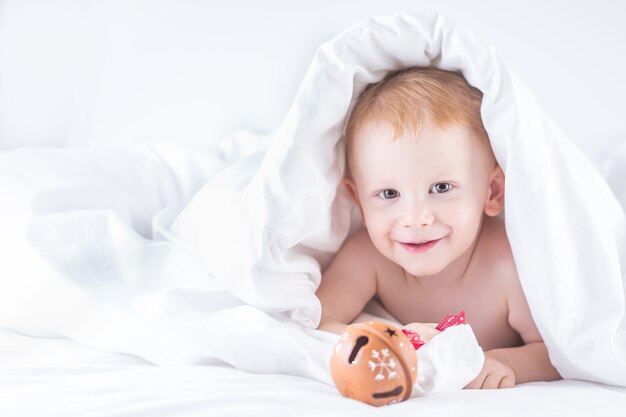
(484, 304)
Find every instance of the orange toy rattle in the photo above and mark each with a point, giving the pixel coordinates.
(375, 362)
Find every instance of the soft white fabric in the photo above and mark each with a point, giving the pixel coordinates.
(235, 273)
(449, 361)
(62, 378)
(80, 262)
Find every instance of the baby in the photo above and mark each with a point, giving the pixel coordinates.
(422, 172)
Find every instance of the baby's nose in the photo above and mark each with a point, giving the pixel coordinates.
(417, 215)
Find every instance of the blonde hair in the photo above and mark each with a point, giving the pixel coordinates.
(408, 98)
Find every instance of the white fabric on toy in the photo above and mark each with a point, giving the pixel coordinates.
(449, 361)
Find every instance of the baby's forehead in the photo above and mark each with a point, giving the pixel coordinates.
(439, 147)
(376, 132)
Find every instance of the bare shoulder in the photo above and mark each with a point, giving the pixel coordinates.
(498, 254)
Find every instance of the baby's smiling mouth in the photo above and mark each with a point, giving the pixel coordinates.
(419, 247)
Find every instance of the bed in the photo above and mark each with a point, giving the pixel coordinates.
(119, 118)
(54, 377)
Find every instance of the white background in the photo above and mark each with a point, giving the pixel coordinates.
(87, 72)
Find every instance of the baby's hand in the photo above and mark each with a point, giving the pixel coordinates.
(495, 374)
(426, 330)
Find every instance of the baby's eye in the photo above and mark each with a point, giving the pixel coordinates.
(441, 188)
(389, 194)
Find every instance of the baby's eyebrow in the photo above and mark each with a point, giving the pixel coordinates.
(376, 188)
(443, 175)
(378, 183)
(371, 188)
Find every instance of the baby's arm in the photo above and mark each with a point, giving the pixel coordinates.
(530, 362)
(348, 283)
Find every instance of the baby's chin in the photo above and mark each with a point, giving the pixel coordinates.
(420, 271)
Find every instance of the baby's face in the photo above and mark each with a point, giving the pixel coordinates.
(422, 200)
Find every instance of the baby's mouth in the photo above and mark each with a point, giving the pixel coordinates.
(419, 247)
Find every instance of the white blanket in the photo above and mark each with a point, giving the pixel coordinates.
(99, 250)
(62, 378)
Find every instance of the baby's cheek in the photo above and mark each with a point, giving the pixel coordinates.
(465, 218)
(380, 237)
(377, 224)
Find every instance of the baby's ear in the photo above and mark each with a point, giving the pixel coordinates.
(495, 202)
(350, 185)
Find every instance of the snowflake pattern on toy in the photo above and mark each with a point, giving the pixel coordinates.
(383, 363)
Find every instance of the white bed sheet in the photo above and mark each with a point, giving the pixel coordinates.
(59, 377)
